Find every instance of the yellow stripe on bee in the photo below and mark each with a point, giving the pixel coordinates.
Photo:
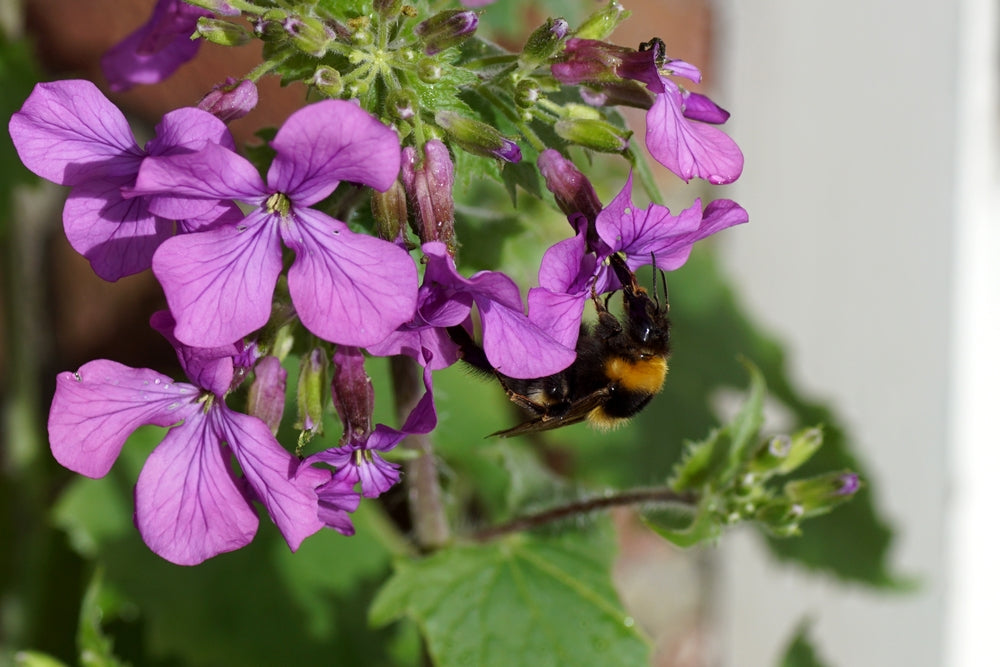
(645, 375)
(602, 421)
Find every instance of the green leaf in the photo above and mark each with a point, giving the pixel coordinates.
(702, 461)
(684, 526)
(36, 659)
(522, 600)
(800, 651)
(96, 648)
(746, 425)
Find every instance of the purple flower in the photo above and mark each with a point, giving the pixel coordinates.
(513, 344)
(574, 269)
(189, 503)
(158, 48)
(69, 133)
(358, 458)
(428, 184)
(678, 130)
(347, 287)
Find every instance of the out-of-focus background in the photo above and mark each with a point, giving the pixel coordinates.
(870, 135)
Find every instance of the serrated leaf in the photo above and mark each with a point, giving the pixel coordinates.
(701, 461)
(800, 651)
(684, 527)
(522, 600)
(745, 426)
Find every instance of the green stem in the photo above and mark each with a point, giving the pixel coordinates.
(657, 495)
(514, 117)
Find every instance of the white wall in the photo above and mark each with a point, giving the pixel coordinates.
(867, 243)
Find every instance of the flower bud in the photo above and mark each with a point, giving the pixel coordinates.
(573, 192)
(221, 32)
(230, 100)
(308, 34)
(311, 394)
(215, 6)
(544, 42)
(389, 210)
(782, 454)
(526, 93)
(388, 8)
(429, 70)
(821, 494)
(327, 81)
(352, 392)
(626, 93)
(477, 137)
(402, 104)
(594, 134)
(429, 191)
(446, 29)
(266, 398)
(603, 22)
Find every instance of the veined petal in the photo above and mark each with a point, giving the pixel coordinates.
(212, 173)
(118, 236)
(209, 368)
(377, 475)
(558, 314)
(188, 504)
(290, 498)
(689, 148)
(336, 499)
(219, 283)
(347, 288)
(517, 347)
(189, 129)
(331, 141)
(95, 410)
(69, 133)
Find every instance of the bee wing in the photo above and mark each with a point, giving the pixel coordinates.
(576, 413)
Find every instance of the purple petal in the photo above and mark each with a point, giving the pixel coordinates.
(95, 410)
(566, 266)
(336, 499)
(209, 368)
(69, 133)
(155, 50)
(689, 148)
(188, 129)
(684, 69)
(118, 236)
(219, 283)
(231, 99)
(213, 173)
(332, 141)
(557, 313)
(517, 347)
(348, 288)
(699, 107)
(188, 504)
(266, 399)
(288, 494)
(412, 340)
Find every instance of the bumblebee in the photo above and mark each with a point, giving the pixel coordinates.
(620, 365)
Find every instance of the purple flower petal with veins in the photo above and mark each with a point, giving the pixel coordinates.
(69, 133)
(348, 288)
(190, 504)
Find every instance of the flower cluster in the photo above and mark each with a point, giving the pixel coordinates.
(256, 258)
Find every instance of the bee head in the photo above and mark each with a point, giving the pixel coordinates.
(647, 323)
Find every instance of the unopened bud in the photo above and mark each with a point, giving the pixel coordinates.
(477, 137)
(544, 42)
(446, 29)
(594, 134)
(266, 398)
(782, 454)
(573, 192)
(388, 8)
(429, 185)
(389, 211)
(402, 103)
(352, 393)
(526, 93)
(327, 81)
(819, 495)
(308, 34)
(429, 70)
(230, 100)
(311, 394)
(221, 32)
(216, 6)
(603, 22)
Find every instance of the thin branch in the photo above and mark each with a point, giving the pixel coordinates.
(657, 495)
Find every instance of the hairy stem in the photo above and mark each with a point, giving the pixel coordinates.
(430, 524)
(657, 495)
